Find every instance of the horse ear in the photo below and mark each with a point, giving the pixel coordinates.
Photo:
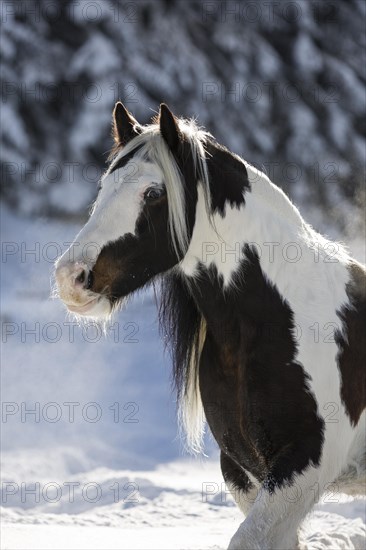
(169, 127)
(125, 126)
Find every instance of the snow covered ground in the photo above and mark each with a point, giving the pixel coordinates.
(90, 454)
(178, 505)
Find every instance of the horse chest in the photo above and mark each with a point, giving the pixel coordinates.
(228, 405)
(257, 407)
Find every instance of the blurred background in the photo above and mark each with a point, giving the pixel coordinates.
(282, 83)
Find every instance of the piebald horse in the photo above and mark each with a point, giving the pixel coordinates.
(266, 317)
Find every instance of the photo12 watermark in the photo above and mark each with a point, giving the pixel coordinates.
(70, 412)
(72, 492)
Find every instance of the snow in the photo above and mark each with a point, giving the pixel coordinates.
(13, 127)
(75, 474)
(98, 54)
(102, 538)
(306, 54)
(182, 504)
(299, 71)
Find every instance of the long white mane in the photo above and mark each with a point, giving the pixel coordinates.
(151, 146)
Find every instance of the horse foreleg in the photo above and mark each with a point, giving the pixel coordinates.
(273, 520)
(243, 491)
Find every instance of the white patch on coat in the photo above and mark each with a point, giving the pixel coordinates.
(309, 272)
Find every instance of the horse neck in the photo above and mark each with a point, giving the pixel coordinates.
(267, 222)
(222, 248)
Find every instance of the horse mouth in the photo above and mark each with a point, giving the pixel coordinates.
(85, 308)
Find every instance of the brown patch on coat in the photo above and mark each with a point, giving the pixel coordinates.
(105, 272)
(256, 395)
(229, 359)
(352, 345)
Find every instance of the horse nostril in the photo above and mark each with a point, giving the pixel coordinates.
(89, 283)
(81, 278)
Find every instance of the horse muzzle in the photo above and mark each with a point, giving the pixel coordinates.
(74, 281)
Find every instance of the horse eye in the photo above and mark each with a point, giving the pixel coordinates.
(154, 193)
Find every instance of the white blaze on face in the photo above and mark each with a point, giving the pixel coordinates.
(114, 215)
(116, 210)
